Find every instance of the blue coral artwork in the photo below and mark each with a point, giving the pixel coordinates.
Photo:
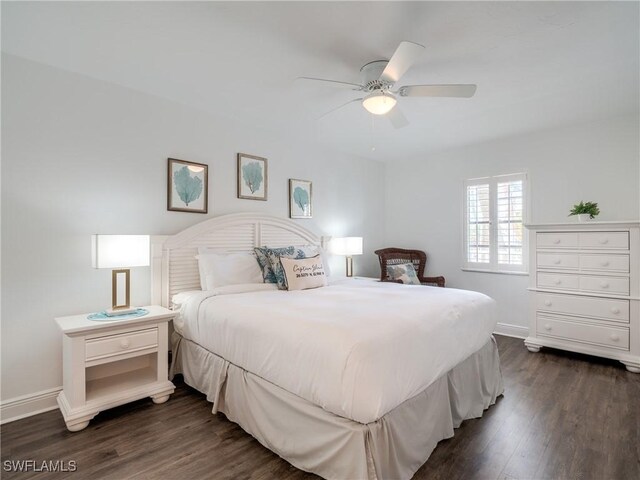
(187, 188)
(299, 198)
(252, 177)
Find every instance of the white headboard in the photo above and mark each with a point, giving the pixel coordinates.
(174, 267)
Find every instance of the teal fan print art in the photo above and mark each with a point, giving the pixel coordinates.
(252, 176)
(189, 187)
(301, 197)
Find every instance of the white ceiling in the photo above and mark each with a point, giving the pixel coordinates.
(537, 64)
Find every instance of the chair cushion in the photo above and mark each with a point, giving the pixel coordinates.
(404, 272)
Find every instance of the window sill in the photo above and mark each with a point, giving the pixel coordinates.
(499, 272)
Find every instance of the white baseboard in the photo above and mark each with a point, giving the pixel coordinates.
(28, 405)
(510, 330)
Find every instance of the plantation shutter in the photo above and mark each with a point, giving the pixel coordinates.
(478, 224)
(510, 232)
(494, 237)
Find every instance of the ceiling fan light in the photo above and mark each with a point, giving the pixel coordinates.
(379, 103)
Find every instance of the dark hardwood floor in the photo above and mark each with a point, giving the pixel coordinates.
(563, 416)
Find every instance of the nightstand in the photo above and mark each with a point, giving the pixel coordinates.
(109, 363)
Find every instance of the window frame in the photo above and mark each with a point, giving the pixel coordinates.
(493, 266)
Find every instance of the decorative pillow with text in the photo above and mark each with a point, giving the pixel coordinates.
(269, 260)
(305, 273)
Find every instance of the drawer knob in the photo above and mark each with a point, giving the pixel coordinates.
(548, 303)
(124, 343)
(547, 327)
(604, 285)
(558, 281)
(557, 261)
(603, 241)
(615, 310)
(615, 337)
(556, 241)
(604, 263)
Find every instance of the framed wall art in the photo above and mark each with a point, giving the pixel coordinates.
(300, 198)
(187, 186)
(252, 177)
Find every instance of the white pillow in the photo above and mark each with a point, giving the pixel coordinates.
(219, 270)
(304, 273)
(325, 261)
(203, 274)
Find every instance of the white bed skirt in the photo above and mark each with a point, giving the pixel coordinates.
(315, 440)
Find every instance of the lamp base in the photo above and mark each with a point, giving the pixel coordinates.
(349, 267)
(120, 311)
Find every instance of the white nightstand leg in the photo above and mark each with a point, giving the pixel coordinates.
(531, 345)
(76, 426)
(158, 399)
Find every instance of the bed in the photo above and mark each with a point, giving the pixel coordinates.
(358, 379)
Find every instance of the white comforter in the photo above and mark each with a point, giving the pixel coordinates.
(356, 348)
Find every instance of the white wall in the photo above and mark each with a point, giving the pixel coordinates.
(81, 156)
(424, 196)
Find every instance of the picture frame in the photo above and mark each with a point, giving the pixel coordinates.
(300, 198)
(253, 177)
(187, 186)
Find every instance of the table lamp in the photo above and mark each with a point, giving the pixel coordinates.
(348, 246)
(120, 252)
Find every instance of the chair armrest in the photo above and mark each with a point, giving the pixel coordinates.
(439, 281)
(391, 281)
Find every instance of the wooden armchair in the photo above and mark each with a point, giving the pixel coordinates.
(396, 256)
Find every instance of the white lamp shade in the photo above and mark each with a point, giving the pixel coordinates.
(116, 251)
(346, 246)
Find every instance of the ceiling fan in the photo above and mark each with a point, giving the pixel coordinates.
(379, 77)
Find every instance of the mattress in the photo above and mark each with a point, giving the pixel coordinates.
(356, 348)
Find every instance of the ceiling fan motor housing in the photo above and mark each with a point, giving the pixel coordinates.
(370, 76)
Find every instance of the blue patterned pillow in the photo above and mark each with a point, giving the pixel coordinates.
(265, 265)
(404, 272)
(269, 261)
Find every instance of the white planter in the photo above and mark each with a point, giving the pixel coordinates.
(584, 217)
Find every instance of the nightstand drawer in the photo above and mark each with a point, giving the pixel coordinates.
(613, 240)
(119, 344)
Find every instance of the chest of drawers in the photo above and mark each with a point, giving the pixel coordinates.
(585, 289)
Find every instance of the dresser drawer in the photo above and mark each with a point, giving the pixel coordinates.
(557, 240)
(558, 281)
(612, 285)
(604, 308)
(566, 261)
(123, 343)
(605, 263)
(604, 240)
(604, 335)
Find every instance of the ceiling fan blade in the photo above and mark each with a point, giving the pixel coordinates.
(340, 106)
(397, 118)
(333, 83)
(405, 55)
(464, 91)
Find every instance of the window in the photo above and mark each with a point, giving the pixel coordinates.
(494, 236)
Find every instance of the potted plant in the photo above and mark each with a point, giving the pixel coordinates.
(585, 211)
